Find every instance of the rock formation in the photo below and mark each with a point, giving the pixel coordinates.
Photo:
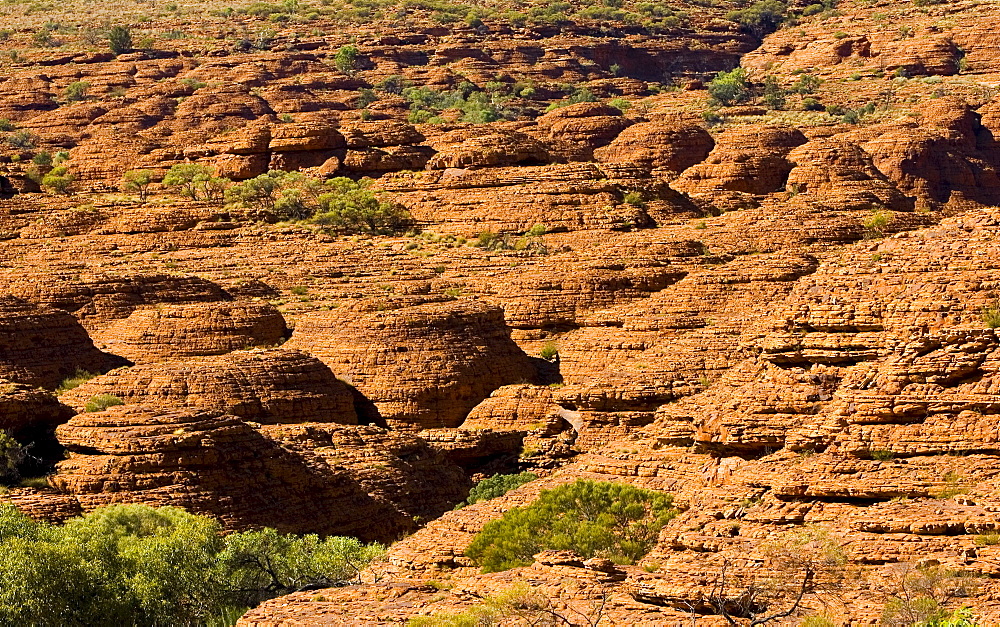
(266, 386)
(420, 362)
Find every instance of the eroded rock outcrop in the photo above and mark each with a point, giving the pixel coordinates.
(211, 463)
(266, 386)
(174, 331)
(41, 346)
(421, 362)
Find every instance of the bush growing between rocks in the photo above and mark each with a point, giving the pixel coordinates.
(58, 180)
(339, 204)
(137, 181)
(136, 565)
(120, 40)
(345, 58)
(79, 377)
(496, 486)
(76, 91)
(761, 18)
(12, 453)
(593, 518)
(729, 88)
(196, 181)
(101, 402)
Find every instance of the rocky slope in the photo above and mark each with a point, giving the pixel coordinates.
(781, 311)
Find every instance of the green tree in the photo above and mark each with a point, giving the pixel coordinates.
(137, 181)
(259, 565)
(729, 88)
(196, 182)
(76, 91)
(137, 565)
(345, 58)
(497, 485)
(58, 180)
(774, 93)
(11, 456)
(354, 208)
(593, 518)
(120, 40)
(761, 18)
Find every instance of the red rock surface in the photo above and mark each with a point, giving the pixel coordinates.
(780, 313)
(423, 363)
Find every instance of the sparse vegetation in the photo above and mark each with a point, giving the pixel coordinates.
(195, 182)
(101, 402)
(991, 315)
(76, 91)
(120, 40)
(12, 453)
(761, 18)
(137, 181)
(918, 596)
(345, 59)
(58, 180)
(593, 518)
(495, 486)
(549, 351)
(79, 377)
(875, 224)
(729, 88)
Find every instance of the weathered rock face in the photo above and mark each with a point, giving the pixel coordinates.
(589, 124)
(478, 147)
(839, 174)
(422, 363)
(212, 463)
(748, 159)
(266, 386)
(669, 146)
(99, 298)
(27, 412)
(400, 470)
(174, 331)
(41, 346)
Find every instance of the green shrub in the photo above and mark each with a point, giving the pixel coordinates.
(729, 88)
(991, 315)
(137, 181)
(882, 455)
(593, 518)
(811, 104)
(22, 139)
(101, 402)
(807, 84)
(136, 565)
(351, 207)
(12, 453)
(989, 539)
(537, 230)
(774, 93)
(195, 181)
(120, 40)
(495, 486)
(345, 58)
(549, 352)
(621, 104)
(477, 107)
(876, 223)
(761, 18)
(58, 180)
(634, 198)
(76, 91)
(79, 377)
